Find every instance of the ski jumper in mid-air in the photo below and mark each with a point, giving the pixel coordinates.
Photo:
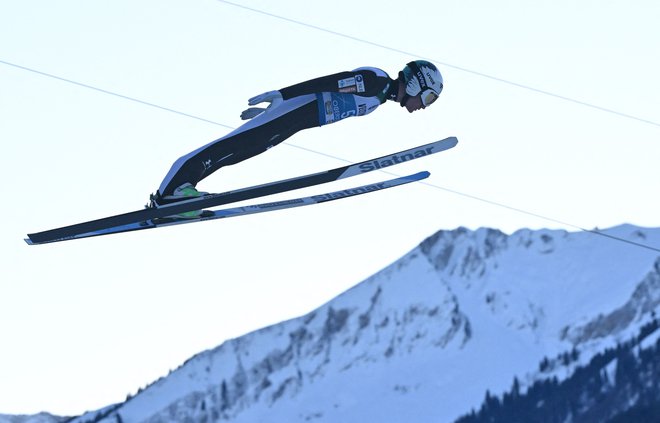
(313, 103)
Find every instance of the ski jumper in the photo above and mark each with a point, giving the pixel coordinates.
(316, 102)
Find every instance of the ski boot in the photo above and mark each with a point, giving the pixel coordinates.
(186, 191)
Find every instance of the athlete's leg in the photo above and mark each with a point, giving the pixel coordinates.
(256, 136)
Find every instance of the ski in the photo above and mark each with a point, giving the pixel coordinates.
(214, 200)
(242, 211)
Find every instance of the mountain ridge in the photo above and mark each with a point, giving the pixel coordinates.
(462, 313)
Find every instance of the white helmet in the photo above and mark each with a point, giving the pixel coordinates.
(422, 77)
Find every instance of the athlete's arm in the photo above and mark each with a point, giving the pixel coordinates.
(363, 82)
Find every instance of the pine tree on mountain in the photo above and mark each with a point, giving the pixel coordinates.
(545, 364)
(626, 369)
(224, 397)
(490, 408)
(515, 390)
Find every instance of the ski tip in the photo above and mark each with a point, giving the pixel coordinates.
(443, 144)
(28, 241)
(418, 176)
(450, 141)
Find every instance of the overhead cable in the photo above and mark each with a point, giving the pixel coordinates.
(449, 65)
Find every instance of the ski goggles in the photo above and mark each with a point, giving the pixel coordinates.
(428, 96)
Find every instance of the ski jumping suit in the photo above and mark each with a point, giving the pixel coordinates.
(317, 102)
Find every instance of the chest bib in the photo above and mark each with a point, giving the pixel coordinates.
(334, 107)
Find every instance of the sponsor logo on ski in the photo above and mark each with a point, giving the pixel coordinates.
(395, 159)
(276, 204)
(349, 192)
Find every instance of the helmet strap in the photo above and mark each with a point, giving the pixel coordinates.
(401, 82)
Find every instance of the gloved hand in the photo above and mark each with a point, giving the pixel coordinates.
(272, 97)
(252, 112)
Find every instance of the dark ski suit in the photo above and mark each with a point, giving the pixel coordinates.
(312, 103)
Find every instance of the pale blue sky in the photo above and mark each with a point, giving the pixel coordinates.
(84, 323)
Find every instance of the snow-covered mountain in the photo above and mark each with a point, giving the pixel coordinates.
(424, 339)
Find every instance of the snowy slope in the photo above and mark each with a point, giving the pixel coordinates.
(424, 339)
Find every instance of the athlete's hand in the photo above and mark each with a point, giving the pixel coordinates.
(252, 112)
(272, 97)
